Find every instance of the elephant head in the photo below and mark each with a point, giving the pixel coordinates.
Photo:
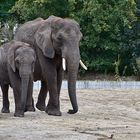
(21, 58)
(62, 36)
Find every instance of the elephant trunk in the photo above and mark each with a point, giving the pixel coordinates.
(71, 57)
(72, 64)
(24, 91)
(72, 77)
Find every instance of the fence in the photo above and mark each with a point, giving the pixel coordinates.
(99, 85)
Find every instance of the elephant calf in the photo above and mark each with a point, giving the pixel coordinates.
(17, 61)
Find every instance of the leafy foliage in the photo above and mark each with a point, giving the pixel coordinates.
(5, 5)
(105, 24)
(45, 8)
(110, 29)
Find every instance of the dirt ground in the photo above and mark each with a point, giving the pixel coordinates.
(103, 115)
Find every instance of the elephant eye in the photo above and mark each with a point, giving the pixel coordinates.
(17, 60)
(17, 63)
(59, 37)
(68, 31)
(33, 62)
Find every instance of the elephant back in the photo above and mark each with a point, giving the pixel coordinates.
(26, 31)
(2, 56)
(3, 52)
(3, 63)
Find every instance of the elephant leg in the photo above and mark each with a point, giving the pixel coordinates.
(59, 82)
(30, 100)
(50, 75)
(5, 108)
(53, 103)
(16, 85)
(18, 111)
(42, 97)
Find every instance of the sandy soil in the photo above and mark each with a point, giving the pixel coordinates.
(103, 115)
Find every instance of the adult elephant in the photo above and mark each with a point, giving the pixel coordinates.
(56, 42)
(17, 60)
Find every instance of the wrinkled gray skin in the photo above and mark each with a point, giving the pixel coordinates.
(17, 61)
(53, 39)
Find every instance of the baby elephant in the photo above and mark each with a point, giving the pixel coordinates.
(17, 60)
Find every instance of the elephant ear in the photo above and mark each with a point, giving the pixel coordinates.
(44, 42)
(11, 61)
(11, 55)
(43, 37)
(13, 46)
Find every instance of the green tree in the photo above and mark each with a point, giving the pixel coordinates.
(5, 5)
(108, 28)
(105, 24)
(40, 8)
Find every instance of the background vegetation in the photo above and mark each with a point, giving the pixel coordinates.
(111, 28)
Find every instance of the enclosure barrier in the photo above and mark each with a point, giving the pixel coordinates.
(99, 85)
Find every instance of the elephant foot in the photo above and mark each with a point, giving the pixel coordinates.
(19, 113)
(29, 108)
(54, 112)
(5, 110)
(40, 107)
(72, 111)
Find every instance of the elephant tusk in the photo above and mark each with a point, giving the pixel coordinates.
(64, 64)
(83, 65)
